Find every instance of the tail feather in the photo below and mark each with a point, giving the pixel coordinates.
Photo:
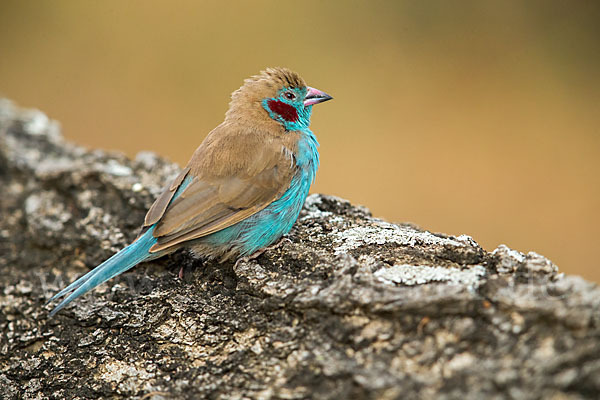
(124, 260)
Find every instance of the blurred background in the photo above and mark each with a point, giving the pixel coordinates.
(475, 117)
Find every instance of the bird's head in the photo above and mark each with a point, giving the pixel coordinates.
(276, 94)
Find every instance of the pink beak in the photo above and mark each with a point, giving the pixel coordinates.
(315, 96)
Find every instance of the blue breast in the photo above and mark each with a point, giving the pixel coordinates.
(268, 225)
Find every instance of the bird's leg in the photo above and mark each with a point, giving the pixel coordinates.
(252, 256)
(186, 268)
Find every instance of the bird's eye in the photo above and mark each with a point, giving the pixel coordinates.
(290, 95)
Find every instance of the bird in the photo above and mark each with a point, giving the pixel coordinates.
(242, 189)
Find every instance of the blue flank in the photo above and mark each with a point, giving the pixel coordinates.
(122, 261)
(274, 221)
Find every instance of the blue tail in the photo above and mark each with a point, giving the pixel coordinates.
(124, 260)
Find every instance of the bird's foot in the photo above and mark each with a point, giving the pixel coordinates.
(240, 260)
(279, 243)
(185, 270)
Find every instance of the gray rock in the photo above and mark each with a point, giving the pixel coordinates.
(349, 306)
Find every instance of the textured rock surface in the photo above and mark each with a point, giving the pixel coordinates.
(349, 307)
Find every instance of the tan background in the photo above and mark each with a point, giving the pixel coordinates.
(478, 117)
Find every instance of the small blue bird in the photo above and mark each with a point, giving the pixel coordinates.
(243, 188)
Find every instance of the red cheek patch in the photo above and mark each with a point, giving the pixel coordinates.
(286, 111)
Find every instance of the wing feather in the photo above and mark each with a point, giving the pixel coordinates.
(159, 206)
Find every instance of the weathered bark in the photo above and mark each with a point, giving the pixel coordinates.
(349, 306)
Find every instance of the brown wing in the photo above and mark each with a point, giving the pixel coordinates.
(159, 206)
(235, 173)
